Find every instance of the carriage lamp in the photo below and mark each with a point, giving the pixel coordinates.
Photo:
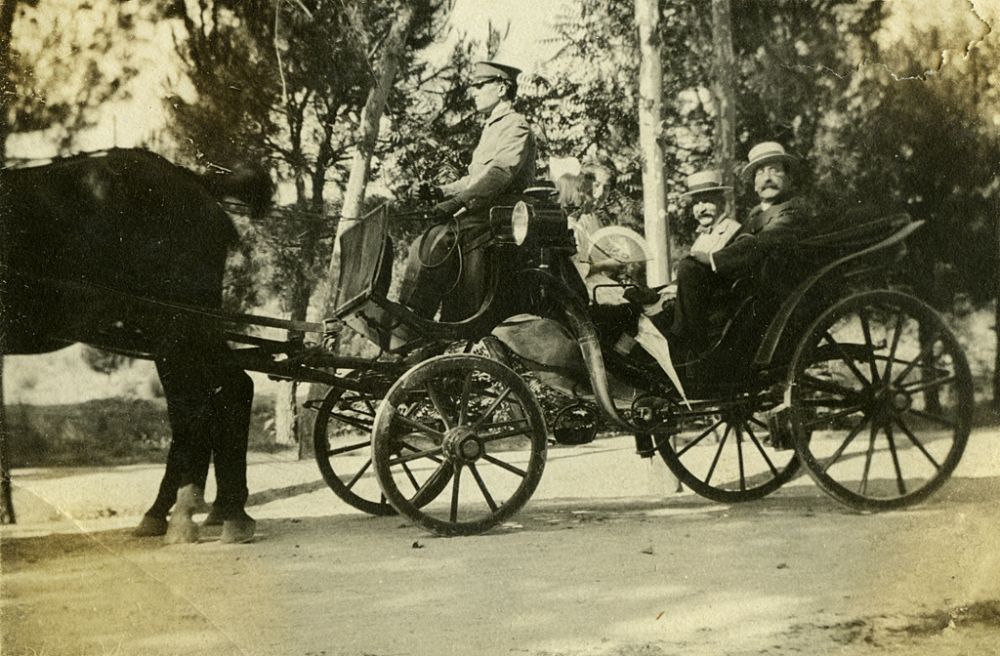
(523, 223)
(520, 217)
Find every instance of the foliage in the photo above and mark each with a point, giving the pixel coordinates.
(45, 36)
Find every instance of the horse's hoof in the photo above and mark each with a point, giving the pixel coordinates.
(214, 518)
(181, 530)
(150, 527)
(237, 531)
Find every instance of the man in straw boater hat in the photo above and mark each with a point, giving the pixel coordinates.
(780, 219)
(447, 264)
(707, 195)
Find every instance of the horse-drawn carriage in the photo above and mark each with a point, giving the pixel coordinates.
(819, 363)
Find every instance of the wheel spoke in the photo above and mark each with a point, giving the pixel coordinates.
(870, 346)
(486, 439)
(927, 385)
(347, 449)
(760, 449)
(843, 446)
(739, 456)
(845, 356)
(505, 465)
(863, 484)
(827, 386)
(361, 472)
(699, 438)
(409, 475)
(417, 426)
(718, 453)
(453, 515)
(924, 352)
(425, 454)
(482, 488)
(365, 425)
(429, 454)
(817, 421)
(493, 407)
(897, 333)
(935, 418)
(443, 471)
(900, 483)
(916, 442)
(466, 389)
(436, 400)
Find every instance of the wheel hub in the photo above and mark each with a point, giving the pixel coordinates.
(461, 444)
(900, 401)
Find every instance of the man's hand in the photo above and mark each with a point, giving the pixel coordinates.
(446, 209)
(428, 192)
(701, 257)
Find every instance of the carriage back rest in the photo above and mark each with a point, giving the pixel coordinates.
(366, 259)
(840, 251)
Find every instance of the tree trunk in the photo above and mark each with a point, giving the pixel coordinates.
(725, 96)
(996, 316)
(393, 51)
(654, 196)
(7, 8)
(647, 17)
(7, 93)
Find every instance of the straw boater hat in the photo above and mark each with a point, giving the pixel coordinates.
(704, 182)
(765, 153)
(485, 71)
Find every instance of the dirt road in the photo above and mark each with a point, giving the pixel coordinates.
(597, 564)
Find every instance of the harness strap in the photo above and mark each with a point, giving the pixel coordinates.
(195, 310)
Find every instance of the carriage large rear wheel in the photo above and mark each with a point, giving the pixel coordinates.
(881, 399)
(479, 432)
(730, 456)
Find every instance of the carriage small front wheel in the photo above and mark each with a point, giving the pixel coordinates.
(881, 399)
(478, 430)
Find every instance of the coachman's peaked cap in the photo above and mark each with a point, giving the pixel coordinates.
(494, 71)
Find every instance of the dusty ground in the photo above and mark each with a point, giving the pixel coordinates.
(600, 562)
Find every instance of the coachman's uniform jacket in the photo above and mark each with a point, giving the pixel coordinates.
(447, 264)
(502, 163)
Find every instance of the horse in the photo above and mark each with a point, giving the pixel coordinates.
(95, 248)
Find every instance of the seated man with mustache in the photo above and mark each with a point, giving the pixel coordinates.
(781, 219)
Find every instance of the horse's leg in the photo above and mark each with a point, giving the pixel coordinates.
(6, 499)
(189, 409)
(231, 404)
(188, 447)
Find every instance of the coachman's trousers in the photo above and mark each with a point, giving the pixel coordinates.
(447, 267)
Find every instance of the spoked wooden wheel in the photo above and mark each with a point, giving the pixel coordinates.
(730, 456)
(478, 431)
(882, 401)
(343, 452)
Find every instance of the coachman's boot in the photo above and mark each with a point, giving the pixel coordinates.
(182, 529)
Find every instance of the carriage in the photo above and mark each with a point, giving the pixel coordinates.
(823, 362)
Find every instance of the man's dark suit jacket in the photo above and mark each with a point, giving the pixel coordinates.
(764, 232)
